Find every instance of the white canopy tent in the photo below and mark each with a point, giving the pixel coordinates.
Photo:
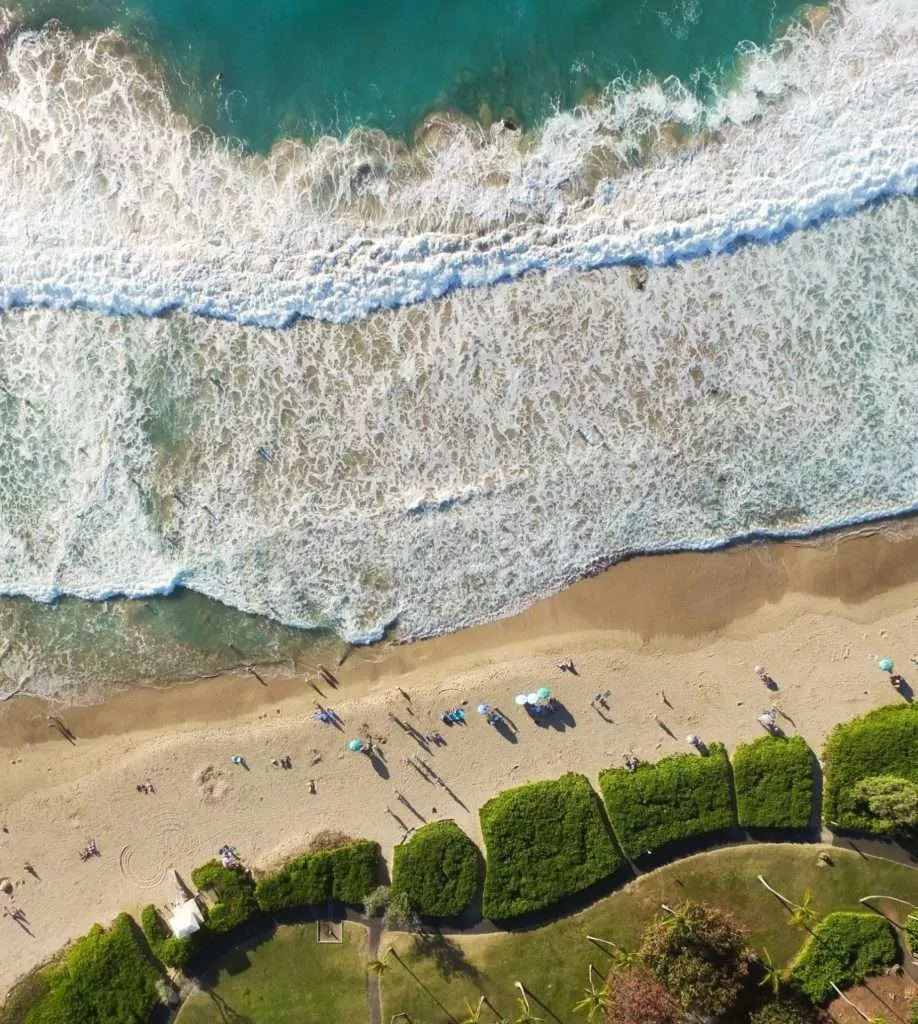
(186, 919)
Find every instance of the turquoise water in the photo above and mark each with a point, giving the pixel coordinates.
(302, 67)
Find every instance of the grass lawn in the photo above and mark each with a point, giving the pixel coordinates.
(552, 962)
(287, 979)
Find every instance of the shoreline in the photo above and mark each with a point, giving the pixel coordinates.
(817, 615)
(632, 600)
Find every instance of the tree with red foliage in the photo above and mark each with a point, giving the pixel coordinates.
(636, 997)
(699, 953)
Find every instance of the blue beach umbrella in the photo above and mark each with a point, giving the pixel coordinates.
(355, 745)
(544, 693)
(521, 699)
(885, 664)
(483, 709)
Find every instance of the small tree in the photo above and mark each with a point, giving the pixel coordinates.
(375, 903)
(594, 1000)
(890, 798)
(771, 975)
(399, 915)
(636, 997)
(699, 954)
(787, 1011)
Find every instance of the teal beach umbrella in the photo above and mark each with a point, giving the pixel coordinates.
(885, 664)
(355, 745)
(544, 693)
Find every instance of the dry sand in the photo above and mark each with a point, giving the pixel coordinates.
(817, 615)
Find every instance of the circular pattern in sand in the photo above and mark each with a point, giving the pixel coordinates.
(167, 842)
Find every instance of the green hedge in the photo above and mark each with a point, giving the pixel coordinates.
(844, 949)
(235, 892)
(911, 933)
(773, 777)
(883, 742)
(166, 947)
(437, 869)
(680, 797)
(346, 874)
(544, 841)
(105, 978)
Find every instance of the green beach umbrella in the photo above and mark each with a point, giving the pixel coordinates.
(544, 693)
(355, 745)
(885, 664)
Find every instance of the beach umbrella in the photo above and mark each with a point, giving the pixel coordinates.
(885, 664)
(544, 693)
(355, 745)
(521, 699)
(533, 698)
(483, 709)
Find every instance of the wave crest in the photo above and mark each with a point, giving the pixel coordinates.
(112, 202)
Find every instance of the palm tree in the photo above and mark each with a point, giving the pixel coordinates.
(474, 1014)
(678, 919)
(787, 903)
(380, 966)
(803, 911)
(771, 975)
(626, 959)
(594, 1001)
(854, 1006)
(524, 1014)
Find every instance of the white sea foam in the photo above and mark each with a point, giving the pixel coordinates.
(109, 201)
(447, 462)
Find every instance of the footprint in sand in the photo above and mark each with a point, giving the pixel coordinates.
(211, 783)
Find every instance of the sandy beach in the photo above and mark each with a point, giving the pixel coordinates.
(816, 614)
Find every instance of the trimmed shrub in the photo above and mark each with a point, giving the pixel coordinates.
(166, 947)
(544, 841)
(235, 893)
(347, 875)
(773, 777)
(882, 742)
(911, 934)
(105, 978)
(437, 869)
(680, 797)
(844, 949)
(787, 1011)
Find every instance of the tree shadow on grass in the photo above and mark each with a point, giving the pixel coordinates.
(228, 1015)
(448, 956)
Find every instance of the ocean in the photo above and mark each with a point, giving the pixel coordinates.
(323, 324)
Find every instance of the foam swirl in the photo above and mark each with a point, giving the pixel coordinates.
(111, 202)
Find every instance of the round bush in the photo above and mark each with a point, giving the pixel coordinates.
(438, 870)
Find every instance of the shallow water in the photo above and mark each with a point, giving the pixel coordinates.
(302, 67)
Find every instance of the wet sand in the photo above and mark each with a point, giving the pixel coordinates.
(672, 602)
